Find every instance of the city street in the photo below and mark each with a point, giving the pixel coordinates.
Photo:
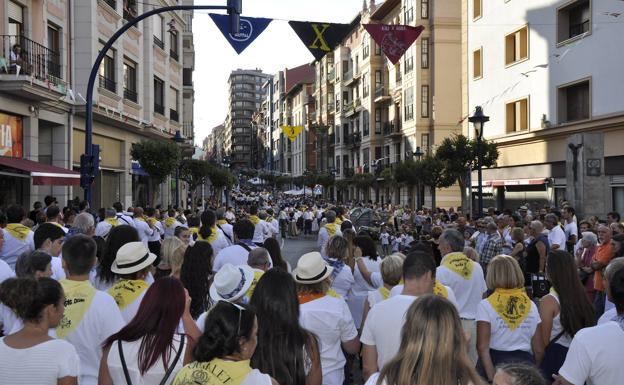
(295, 248)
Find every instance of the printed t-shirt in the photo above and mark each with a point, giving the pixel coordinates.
(200, 372)
(468, 288)
(128, 295)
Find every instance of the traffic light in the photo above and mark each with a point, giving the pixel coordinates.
(89, 166)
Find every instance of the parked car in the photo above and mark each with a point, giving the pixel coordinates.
(366, 221)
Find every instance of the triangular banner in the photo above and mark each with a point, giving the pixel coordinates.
(320, 38)
(250, 29)
(292, 131)
(394, 40)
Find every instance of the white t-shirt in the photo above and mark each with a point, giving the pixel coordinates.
(13, 247)
(502, 337)
(42, 364)
(360, 289)
(385, 238)
(398, 289)
(145, 232)
(343, 282)
(170, 231)
(330, 320)
(372, 380)
(159, 231)
(468, 292)
(556, 236)
(235, 254)
(102, 229)
(58, 272)
(607, 316)
(131, 309)
(323, 237)
(228, 230)
(557, 328)
(571, 229)
(11, 323)
(124, 219)
(220, 243)
(5, 271)
(383, 324)
(595, 356)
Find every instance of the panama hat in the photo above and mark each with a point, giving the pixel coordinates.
(132, 257)
(311, 269)
(231, 282)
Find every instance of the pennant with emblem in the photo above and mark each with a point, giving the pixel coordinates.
(393, 40)
(320, 38)
(250, 29)
(292, 132)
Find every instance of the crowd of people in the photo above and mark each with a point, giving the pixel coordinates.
(150, 296)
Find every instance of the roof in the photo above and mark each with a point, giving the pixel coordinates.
(384, 9)
(304, 74)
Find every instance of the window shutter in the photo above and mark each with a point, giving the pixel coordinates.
(16, 12)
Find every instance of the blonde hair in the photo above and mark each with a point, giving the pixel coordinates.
(337, 248)
(392, 269)
(433, 347)
(177, 259)
(169, 245)
(517, 233)
(504, 272)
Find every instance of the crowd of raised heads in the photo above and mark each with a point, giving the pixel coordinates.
(148, 296)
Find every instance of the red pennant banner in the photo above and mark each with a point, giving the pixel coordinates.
(394, 40)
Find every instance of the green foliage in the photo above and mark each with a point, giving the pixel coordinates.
(433, 173)
(221, 177)
(325, 180)
(249, 173)
(194, 172)
(268, 178)
(298, 181)
(387, 176)
(158, 157)
(408, 172)
(363, 180)
(310, 179)
(459, 154)
(282, 180)
(342, 183)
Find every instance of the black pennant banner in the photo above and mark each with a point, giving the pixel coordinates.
(320, 38)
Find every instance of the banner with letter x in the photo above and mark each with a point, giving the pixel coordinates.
(320, 38)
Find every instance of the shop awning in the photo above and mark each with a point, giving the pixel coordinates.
(510, 182)
(137, 169)
(42, 174)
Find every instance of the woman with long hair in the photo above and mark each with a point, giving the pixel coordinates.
(286, 351)
(209, 232)
(564, 311)
(223, 352)
(361, 287)
(117, 237)
(342, 280)
(275, 251)
(433, 348)
(196, 275)
(167, 250)
(150, 349)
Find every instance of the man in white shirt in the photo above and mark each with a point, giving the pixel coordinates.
(556, 235)
(53, 215)
(144, 228)
(95, 316)
(262, 230)
(381, 334)
(466, 279)
(272, 223)
(103, 228)
(229, 215)
(154, 241)
(570, 228)
(122, 217)
(238, 252)
(171, 223)
(17, 237)
(328, 230)
(224, 226)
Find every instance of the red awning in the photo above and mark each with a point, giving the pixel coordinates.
(510, 182)
(43, 174)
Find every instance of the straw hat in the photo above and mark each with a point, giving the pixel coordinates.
(132, 257)
(311, 268)
(231, 282)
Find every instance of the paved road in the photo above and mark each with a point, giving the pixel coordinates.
(295, 248)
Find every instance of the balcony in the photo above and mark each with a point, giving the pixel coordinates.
(111, 3)
(173, 115)
(159, 43)
(331, 75)
(330, 107)
(174, 55)
(129, 9)
(159, 109)
(107, 84)
(353, 139)
(34, 59)
(381, 94)
(131, 95)
(348, 172)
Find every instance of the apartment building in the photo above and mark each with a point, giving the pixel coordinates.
(547, 73)
(299, 104)
(211, 145)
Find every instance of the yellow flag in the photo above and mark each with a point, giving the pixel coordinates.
(292, 131)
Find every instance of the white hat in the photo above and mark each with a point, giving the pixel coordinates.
(231, 282)
(132, 257)
(311, 268)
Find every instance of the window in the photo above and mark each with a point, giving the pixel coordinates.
(618, 198)
(424, 52)
(159, 30)
(574, 102)
(111, 3)
(187, 77)
(129, 9)
(107, 70)
(377, 49)
(424, 101)
(517, 46)
(424, 9)
(365, 85)
(573, 20)
(345, 67)
(517, 115)
(409, 104)
(130, 80)
(173, 45)
(477, 64)
(378, 121)
(424, 142)
(338, 164)
(409, 61)
(159, 96)
(16, 21)
(54, 44)
(476, 9)
(365, 46)
(408, 15)
(365, 123)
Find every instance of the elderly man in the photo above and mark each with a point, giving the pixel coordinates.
(556, 236)
(83, 224)
(493, 245)
(601, 259)
(104, 227)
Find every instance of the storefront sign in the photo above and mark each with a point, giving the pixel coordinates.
(11, 136)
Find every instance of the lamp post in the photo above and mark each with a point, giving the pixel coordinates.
(225, 162)
(178, 138)
(418, 154)
(478, 120)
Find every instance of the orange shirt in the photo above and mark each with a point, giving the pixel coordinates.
(603, 254)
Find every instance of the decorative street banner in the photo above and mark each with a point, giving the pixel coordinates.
(11, 136)
(250, 29)
(320, 38)
(394, 40)
(292, 131)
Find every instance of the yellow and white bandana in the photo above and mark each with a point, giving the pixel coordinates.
(459, 264)
(127, 291)
(511, 305)
(78, 298)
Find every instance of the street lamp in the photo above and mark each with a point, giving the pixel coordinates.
(178, 138)
(418, 154)
(478, 120)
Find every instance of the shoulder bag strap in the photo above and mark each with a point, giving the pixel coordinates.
(123, 363)
(244, 246)
(224, 233)
(556, 338)
(175, 361)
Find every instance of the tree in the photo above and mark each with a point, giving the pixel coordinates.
(282, 181)
(363, 182)
(459, 155)
(221, 177)
(194, 172)
(409, 173)
(326, 180)
(159, 158)
(434, 176)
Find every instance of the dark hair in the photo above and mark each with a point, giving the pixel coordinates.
(208, 220)
(49, 199)
(346, 225)
(15, 213)
(615, 215)
(367, 245)
(619, 238)
(522, 374)
(149, 211)
(244, 229)
(179, 230)
(118, 207)
(31, 262)
(79, 254)
(253, 210)
(275, 251)
(616, 286)
(193, 221)
(47, 231)
(418, 263)
(576, 310)
(27, 297)
(281, 339)
(53, 212)
(195, 274)
(118, 236)
(155, 322)
(223, 331)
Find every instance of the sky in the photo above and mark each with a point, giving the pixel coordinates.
(278, 47)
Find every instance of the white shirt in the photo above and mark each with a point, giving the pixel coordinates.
(329, 319)
(228, 230)
(323, 237)
(170, 231)
(343, 282)
(235, 254)
(571, 229)
(102, 229)
(159, 232)
(383, 324)
(145, 232)
(360, 289)
(607, 316)
(450, 294)
(44, 363)
(261, 232)
(124, 219)
(5, 271)
(58, 272)
(372, 380)
(595, 356)
(385, 238)
(502, 337)
(229, 216)
(13, 247)
(556, 236)
(468, 292)
(11, 323)
(131, 309)
(557, 328)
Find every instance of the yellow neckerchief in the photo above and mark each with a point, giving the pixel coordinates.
(78, 297)
(17, 231)
(141, 219)
(222, 222)
(269, 219)
(384, 291)
(214, 234)
(257, 275)
(331, 229)
(511, 305)
(152, 221)
(254, 219)
(338, 221)
(112, 221)
(127, 291)
(194, 230)
(57, 224)
(459, 264)
(332, 293)
(170, 221)
(305, 298)
(440, 289)
(214, 372)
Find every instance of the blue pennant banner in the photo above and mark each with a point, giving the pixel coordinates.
(250, 29)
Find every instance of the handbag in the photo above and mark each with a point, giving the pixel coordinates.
(169, 370)
(540, 285)
(554, 356)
